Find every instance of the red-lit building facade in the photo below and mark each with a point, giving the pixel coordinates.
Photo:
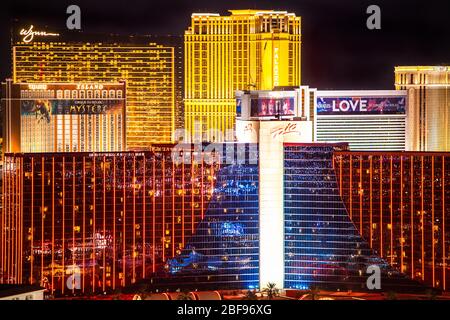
(98, 221)
(400, 203)
(94, 222)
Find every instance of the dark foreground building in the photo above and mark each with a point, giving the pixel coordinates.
(94, 222)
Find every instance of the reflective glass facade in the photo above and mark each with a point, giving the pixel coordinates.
(400, 203)
(323, 248)
(106, 220)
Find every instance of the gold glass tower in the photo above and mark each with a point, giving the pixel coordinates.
(247, 50)
(148, 70)
(428, 125)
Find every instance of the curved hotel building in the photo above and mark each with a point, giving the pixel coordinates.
(399, 201)
(80, 222)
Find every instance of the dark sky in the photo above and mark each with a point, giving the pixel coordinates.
(338, 51)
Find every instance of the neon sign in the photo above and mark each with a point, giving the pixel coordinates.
(29, 34)
(361, 105)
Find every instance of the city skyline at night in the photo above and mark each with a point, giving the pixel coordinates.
(339, 49)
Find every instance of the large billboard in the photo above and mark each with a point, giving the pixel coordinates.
(269, 107)
(361, 105)
(44, 108)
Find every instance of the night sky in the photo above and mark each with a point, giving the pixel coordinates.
(338, 51)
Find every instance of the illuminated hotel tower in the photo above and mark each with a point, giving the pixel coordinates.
(148, 68)
(429, 113)
(248, 50)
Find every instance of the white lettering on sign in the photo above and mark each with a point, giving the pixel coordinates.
(38, 86)
(89, 86)
(29, 34)
(353, 105)
(276, 67)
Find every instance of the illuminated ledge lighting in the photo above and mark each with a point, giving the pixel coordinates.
(205, 15)
(433, 85)
(421, 68)
(271, 12)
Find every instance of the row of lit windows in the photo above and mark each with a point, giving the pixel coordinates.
(64, 62)
(322, 246)
(399, 203)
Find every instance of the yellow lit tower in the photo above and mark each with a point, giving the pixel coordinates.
(247, 50)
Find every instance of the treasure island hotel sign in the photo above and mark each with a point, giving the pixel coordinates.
(61, 117)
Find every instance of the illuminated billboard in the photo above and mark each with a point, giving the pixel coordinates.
(270, 107)
(361, 105)
(43, 108)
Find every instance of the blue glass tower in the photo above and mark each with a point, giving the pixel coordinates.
(224, 251)
(323, 248)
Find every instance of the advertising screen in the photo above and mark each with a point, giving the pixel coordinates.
(361, 105)
(44, 107)
(269, 107)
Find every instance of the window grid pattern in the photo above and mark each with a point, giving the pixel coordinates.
(323, 248)
(224, 250)
(112, 218)
(148, 70)
(400, 204)
(223, 54)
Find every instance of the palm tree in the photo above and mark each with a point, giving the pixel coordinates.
(116, 294)
(271, 290)
(184, 296)
(431, 294)
(391, 295)
(251, 295)
(314, 293)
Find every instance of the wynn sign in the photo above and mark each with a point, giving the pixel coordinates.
(28, 34)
